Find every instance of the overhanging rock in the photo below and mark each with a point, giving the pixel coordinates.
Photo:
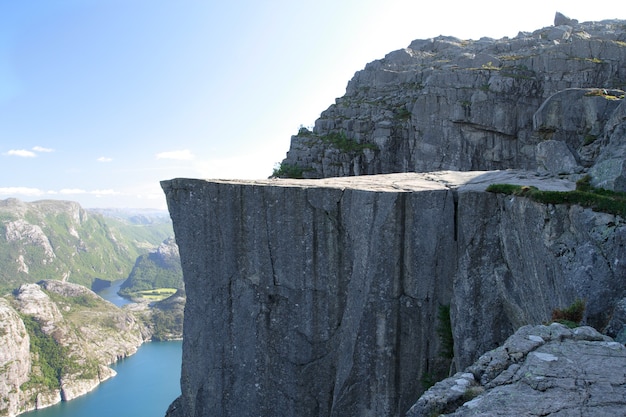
(319, 297)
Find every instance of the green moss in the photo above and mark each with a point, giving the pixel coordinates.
(589, 139)
(341, 141)
(285, 170)
(598, 199)
(403, 114)
(444, 331)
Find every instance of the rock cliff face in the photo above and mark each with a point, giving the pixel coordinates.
(318, 297)
(539, 371)
(323, 297)
(452, 104)
(15, 360)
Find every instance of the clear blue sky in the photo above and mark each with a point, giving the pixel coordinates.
(102, 99)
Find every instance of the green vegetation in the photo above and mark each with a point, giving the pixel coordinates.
(304, 131)
(444, 331)
(472, 392)
(546, 133)
(153, 271)
(490, 66)
(511, 57)
(439, 369)
(518, 72)
(598, 199)
(403, 114)
(341, 141)
(157, 294)
(285, 170)
(52, 236)
(589, 139)
(428, 380)
(49, 358)
(166, 323)
(570, 316)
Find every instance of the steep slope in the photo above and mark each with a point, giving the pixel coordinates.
(158, 269)
(451, 104)
(318, 297)
(58, 339)
(324, 297)
(60, 240)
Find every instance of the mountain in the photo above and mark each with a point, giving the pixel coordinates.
(58, 339)
(495, 199)
(549, 100)
(53, 239)
(158, 269)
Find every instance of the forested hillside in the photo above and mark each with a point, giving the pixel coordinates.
(52, 239)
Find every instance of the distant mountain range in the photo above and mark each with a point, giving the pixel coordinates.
(52, 239)
(59, 336)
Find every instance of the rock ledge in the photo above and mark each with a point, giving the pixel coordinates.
(540, 370)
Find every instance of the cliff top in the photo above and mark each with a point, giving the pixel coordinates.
(423, 181)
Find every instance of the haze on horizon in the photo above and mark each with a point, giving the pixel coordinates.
(99, 101)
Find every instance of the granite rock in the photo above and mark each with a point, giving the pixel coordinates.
(317, 297)
(539, 371)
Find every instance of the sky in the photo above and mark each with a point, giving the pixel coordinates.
(102, 99)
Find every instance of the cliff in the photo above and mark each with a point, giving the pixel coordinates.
(58, 340)
(539, 371)
(318, 297)
(489, 104)
(329, 295)
(157, 269)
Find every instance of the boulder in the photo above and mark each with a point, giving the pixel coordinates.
(539, 370)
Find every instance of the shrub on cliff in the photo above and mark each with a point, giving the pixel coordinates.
(570, 316)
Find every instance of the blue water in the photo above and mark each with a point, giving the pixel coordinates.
(110, 294)
(145, 385)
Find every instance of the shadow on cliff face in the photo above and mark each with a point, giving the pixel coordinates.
(322, 297)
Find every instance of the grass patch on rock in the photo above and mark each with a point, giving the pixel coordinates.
(598, 199)
(156, 294)
(570, 316)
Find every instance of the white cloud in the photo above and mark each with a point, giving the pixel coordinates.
(182, 155)
(32, 192)
(21, 152)
(103, 192)
(72, 191)
(104, 159)
(42, 149)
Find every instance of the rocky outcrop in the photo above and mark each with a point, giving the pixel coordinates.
(61, 337)
(325, 297)
(539, 371)
(157, 269)
(542, 100)
(15, 361)
(318, 297)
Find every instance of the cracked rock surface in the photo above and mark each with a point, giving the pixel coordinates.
(539, 371)
(321, 297)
